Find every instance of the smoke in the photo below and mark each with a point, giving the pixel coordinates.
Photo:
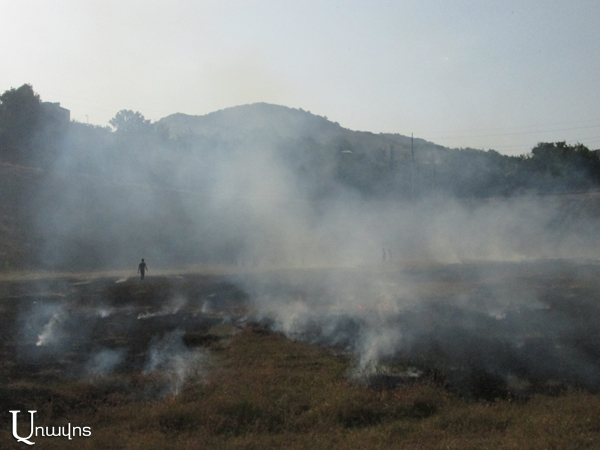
(172, 307)
(42, 324)
(348, 309)
(262, 191)
(104, 312)
(103, 362)
(82, 336)
(264, 187)
(50, 331)
(375, 344)
(519, 322)
(174, 362)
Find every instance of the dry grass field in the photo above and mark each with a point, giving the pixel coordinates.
(187, 362)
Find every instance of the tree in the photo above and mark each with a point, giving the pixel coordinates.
(20, 112)
(127, 121)
(574, 166)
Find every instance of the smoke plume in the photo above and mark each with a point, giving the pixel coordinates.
(323, 259)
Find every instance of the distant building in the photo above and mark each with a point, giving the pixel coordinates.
(56, 111)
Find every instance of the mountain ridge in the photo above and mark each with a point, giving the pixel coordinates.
(293, 123)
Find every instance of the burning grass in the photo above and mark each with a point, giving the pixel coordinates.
(269, 392)
(182, 363)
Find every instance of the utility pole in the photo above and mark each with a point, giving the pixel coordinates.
(433, 170)
(412, 170)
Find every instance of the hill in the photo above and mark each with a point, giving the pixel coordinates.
(258, 116)
(323, 151)
(290, 123)
(377, 165)
(267, 184)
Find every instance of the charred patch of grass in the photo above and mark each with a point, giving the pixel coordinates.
(265, 391)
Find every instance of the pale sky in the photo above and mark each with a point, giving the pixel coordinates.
(465, 73)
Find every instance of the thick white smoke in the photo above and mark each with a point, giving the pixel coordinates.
(174, 362)
(50, 331)
(270, 201)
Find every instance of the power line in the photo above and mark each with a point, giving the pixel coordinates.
(516, 133)
(592, 121)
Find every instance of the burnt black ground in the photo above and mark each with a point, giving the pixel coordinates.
(483, 329)
(104, 314)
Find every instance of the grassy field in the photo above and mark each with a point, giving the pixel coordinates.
(265, 391)
(252, 388)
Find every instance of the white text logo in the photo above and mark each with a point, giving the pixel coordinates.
(65, 431)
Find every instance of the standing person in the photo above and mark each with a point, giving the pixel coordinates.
(142, 269)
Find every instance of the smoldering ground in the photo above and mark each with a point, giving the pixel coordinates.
(485, 330)
(274, 206)
(60, 330)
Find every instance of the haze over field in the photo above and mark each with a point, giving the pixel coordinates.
(268, 185)
(322, 225)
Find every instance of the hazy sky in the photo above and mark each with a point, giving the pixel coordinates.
(485, 74)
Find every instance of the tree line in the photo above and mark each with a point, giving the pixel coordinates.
(32, 138)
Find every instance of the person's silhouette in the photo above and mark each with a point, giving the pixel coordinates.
(142, 268)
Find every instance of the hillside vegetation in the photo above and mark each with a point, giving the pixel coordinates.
(80, 196)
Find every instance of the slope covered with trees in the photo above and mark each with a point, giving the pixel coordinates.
(389, 165)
